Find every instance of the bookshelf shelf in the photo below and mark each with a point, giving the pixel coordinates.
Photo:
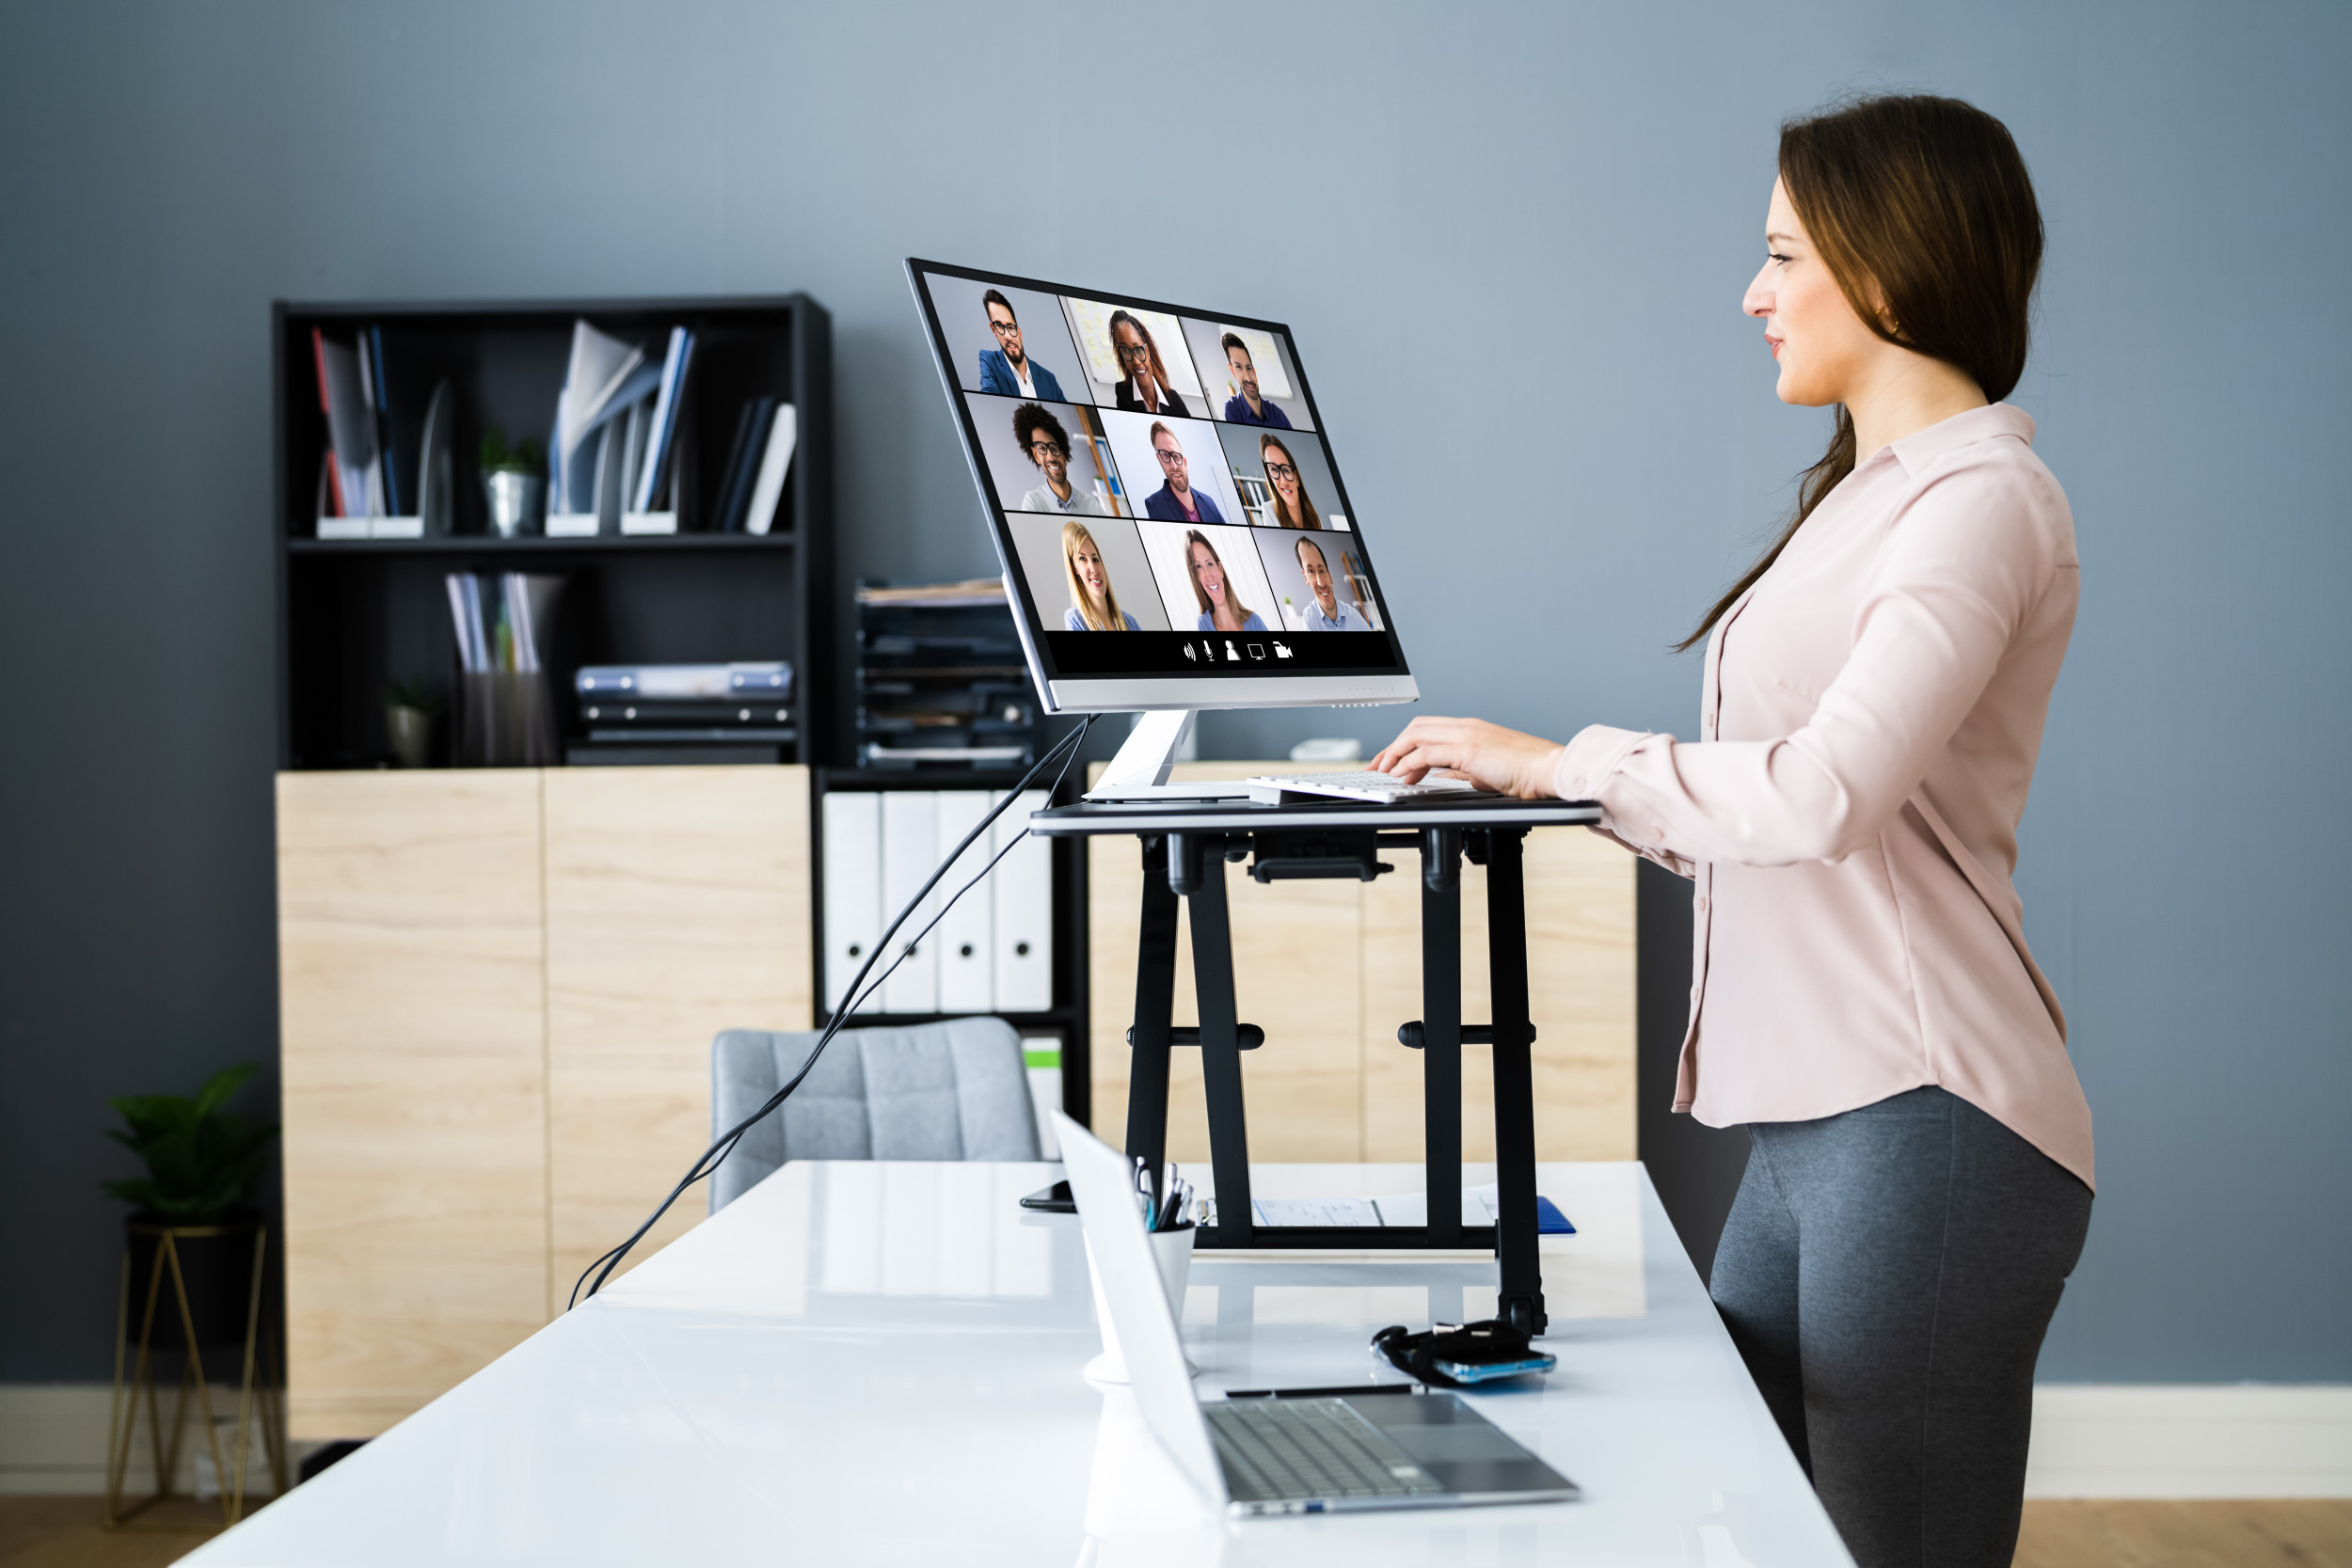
(535, 545)
(357, 615)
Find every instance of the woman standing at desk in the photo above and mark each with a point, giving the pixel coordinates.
(1873, 699)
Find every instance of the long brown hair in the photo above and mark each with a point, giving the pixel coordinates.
(1924, 203)
(1201, 596)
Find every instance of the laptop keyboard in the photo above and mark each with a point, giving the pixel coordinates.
(1294, 1449)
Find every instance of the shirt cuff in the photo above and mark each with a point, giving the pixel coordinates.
(1590, 758)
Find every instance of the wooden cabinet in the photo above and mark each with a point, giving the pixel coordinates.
(1329, 969)
(498, 990)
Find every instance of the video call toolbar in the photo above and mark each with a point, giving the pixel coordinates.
(1159, 474)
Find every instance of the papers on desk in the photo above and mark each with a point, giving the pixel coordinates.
(1401, 1208)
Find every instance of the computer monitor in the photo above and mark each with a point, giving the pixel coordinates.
(1161, 472)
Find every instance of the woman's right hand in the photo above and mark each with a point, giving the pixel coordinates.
(1490, 756)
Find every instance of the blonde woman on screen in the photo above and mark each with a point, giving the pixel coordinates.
(1092, 604)
(1220, 611)
(1291, 507)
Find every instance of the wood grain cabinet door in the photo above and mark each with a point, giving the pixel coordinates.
(413, 1027)
(678, 904)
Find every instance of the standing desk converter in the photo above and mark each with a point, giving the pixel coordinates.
(1187, 844)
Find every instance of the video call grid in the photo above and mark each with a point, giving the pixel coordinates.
(1232, 514)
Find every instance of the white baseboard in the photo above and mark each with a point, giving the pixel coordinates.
(2090, 1440)
(53, 1442)
(2190, 1440)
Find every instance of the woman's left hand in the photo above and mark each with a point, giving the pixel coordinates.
(1486, 754)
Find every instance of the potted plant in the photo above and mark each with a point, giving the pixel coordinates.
(410, 708)
(203, 1162)
(513, 484)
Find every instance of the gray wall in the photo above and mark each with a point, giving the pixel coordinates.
(1555, 205)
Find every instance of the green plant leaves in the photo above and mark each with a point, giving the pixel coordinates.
(202, 1162)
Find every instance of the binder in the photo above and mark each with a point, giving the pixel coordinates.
(910, 853)
(968, 965)
(853, 917)
(1023, 902)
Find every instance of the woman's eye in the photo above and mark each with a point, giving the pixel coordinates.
(1778, 257)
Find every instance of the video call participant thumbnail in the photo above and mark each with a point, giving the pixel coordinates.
(1144, 384)
(1042, 438)
(1214, 590)
(1291, 507)
(1007, 369)
(1245, 406)
(1093, 603)
(1324, 610)
(1176, 501)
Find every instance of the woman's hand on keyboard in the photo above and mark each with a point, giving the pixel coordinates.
(1486, 754)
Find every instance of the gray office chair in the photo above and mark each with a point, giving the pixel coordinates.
(956, 1090)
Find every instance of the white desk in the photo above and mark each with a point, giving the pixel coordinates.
(879, 1363)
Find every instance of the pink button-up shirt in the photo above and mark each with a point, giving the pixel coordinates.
(1870, 715)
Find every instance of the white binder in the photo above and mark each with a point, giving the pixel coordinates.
(910, 854)
(852, 828)
(966, 959)
(1023, 887)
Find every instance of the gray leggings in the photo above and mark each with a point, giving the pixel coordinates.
(1887, 1273)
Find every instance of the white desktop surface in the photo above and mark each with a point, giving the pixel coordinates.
(880, 1364)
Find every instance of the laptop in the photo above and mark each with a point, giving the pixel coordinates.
(1275, 1456)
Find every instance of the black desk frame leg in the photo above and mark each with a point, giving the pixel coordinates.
(1155, 1011)
(1521, 1299)
(1441, 1030)
(1221, 1037)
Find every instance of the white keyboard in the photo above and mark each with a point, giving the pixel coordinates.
(1362, 785)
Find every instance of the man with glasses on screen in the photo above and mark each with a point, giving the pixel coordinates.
(1007, 370)
(1176, 501)
(1249, 407)
(1325, 612)
(1040, 436)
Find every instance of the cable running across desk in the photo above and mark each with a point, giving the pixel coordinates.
(853, 997)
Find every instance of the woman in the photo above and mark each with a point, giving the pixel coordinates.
(1145, 386)
(1092, 604)
(1292, 509)
(1220, 609)
(1873, 698)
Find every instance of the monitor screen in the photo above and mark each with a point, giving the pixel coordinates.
(1162, 472)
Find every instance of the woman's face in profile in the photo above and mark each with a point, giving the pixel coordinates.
(1091, 572)
(1209, 574)
(1821, 345)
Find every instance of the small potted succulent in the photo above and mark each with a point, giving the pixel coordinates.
(411, 709)
(514, 483)
(203, 1162)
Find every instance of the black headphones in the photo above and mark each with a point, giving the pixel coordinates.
(1463, 1344)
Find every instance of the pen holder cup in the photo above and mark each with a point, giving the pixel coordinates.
(1173, 1251)
(506, 718)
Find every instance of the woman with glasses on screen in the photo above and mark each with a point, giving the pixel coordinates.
(1221, 609)
(1143, 385)
(1291, 508)
(1093, 607)
(1872, 702)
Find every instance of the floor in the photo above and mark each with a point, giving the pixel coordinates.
(63, 1532)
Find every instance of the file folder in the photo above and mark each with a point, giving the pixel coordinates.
(852, 830)
(910, 854)
(1024, 888)
(968, 965)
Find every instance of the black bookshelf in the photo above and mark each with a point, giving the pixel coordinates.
(355, 615)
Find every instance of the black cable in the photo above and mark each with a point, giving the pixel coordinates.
(852, 997)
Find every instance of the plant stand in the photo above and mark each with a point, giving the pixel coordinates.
(260, 1394)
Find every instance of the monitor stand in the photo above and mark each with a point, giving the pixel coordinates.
(1139, 771)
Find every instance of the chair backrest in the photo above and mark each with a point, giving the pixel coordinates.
(956, 1090)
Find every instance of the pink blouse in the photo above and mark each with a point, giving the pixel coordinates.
(1869, 724)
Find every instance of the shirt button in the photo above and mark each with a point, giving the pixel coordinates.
(1700, 903)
